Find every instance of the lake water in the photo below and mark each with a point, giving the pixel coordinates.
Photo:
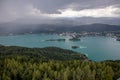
(96, 48)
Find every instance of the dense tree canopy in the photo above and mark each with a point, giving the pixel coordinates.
(14, 66)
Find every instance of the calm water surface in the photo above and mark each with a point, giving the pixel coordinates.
(96, 48)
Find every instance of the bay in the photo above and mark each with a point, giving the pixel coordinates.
(96, 48)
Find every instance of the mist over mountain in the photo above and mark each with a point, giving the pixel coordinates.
(36, 16)
(56, 27)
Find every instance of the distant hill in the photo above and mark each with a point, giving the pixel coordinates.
(54, 28)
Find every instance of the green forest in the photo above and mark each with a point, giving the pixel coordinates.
(51, 63)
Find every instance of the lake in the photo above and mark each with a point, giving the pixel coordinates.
(96, 48)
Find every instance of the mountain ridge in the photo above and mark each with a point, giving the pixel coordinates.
(50, 28)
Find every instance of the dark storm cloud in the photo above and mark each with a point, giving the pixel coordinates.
(87, 4)
(51, 6)
(11, 10)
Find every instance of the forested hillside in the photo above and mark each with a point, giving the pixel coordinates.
(47, 53)
(19, 63)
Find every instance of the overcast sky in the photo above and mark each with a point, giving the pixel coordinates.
(12, 10)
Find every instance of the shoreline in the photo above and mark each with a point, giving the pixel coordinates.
(62, 49)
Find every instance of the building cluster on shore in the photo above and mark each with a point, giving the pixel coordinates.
(76, 36)
(82, 34)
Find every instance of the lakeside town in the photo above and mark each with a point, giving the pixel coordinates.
(75, 36)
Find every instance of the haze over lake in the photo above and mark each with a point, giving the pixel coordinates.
(96, 48)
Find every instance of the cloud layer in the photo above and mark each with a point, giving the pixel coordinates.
(110, 11)
(11, 10)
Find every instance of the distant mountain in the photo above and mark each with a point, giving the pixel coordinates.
(17, 28)
(97, 27)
